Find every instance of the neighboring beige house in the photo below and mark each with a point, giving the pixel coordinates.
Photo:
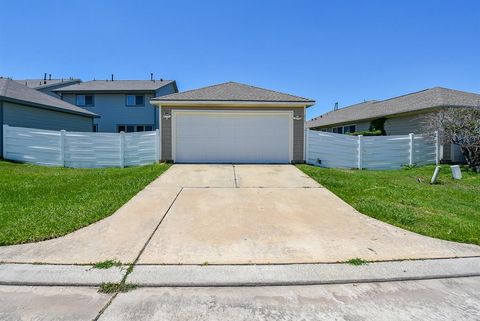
(403, 114)
(232, 123)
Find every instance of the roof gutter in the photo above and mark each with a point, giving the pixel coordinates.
(93, 91)
(235, 103)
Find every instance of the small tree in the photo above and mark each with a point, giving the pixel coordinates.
(460, 126)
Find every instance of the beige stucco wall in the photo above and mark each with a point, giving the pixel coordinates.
(298, 128)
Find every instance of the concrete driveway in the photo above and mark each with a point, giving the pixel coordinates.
(235, 214)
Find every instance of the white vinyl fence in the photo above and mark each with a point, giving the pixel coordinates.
(80, 149)
(370, 152)
(91, 150)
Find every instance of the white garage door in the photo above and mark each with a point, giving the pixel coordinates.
(231, 137)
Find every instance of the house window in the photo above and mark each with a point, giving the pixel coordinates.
(345, 129)
(134, 128)
(84, 100)
(135, 100)
(337, 130)
(349, 129)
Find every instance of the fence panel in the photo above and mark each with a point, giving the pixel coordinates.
(140, 148)
(36, 146)
(92, 150)
(369, 152)
(80, 149)
(424, 150)
(385, 152)
(332, 150)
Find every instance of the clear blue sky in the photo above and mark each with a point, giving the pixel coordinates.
(344, 51)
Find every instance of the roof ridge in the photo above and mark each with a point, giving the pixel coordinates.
(238, 84)
(413, 93)
(187, 91)
(354, 105)
(275, 91)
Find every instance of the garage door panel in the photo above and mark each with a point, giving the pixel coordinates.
(215, 137)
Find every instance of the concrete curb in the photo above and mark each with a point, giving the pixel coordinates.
(300, 274)
(239, 275)
(57, 275)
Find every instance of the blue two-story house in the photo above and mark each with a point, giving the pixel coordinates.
(123, 105)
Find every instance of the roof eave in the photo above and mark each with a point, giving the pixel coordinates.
(391, 115)
(94, 91)
(115, 91)
(239, 103)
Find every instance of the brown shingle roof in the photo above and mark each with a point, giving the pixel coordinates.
(115, 86)
(16, 92)
(233, 91)
(41, 83)
(417, 101)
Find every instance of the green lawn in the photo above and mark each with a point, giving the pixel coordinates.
(449, 210)
(38, 203)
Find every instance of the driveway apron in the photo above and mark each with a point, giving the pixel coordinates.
(235, 214)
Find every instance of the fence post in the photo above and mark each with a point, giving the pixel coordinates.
(359, 156)
(122, 149)
(437, 149)
(157, 146)
(412, 144)
(307, 143)
(62, 147)
(4, 141)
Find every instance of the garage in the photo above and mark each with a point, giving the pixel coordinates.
(232, 136)
(232, 123)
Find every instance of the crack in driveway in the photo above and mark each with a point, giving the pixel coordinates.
(132, 266)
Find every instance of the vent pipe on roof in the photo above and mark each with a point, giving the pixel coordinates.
(336, 106)
(161, 79)
(151, 76)
(112, 77)
(49, 76)
(45, 78)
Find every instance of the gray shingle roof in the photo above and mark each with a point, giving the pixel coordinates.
(417, 101)
(41, 83)
(233, 91)
(116, 86)
(13, 91)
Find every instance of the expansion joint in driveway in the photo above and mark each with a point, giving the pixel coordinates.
(156, 228)
(235, 176)
(132, 266)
